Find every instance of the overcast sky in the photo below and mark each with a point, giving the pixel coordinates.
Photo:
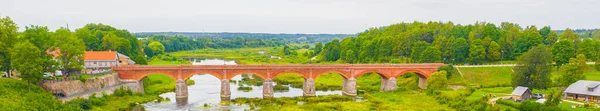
(298, 16)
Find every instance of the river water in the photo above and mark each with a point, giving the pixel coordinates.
(207, 89)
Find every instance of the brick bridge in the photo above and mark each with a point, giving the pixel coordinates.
(388, 72)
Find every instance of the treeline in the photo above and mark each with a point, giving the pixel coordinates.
(447, 42)
(100, 37)
(178, 43)
(288, 38)
(37, 49)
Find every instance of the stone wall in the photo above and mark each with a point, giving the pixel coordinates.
(77, 88)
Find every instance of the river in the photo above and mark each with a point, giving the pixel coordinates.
(206, 91)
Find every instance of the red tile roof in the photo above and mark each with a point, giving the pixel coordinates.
(54, 53)
(100, 55)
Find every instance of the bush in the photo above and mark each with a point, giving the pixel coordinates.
(122, 91)
(82, 103)
(96, 101)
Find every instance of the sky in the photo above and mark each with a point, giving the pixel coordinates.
(295, 16)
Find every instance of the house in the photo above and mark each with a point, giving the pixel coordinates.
(583, 90)
(125, 60)
(100, 61)
(521, 93)
(54, 53)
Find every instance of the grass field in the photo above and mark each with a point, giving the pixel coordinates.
(248, 55)
(487, 75)
(157, 61)
(498, 91)
(502, 75)
(400, 100)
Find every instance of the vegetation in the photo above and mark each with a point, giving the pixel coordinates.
(15, 96)
(573, 71)
(454, 43)
(533, 69)
(273, 55)
(122, 98)
(252, 37)
(437, 81)
(28, 61)
(394, 100)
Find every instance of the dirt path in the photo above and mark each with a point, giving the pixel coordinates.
(493, 100)
(574, 102)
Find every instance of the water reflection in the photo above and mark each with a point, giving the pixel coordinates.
(205, 94)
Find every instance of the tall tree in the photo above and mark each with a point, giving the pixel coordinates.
(39, 36)
(71, 51)
(350, 56)
(533, 69)
(27, 60)
(114, 43)
(571, 35)
(461, 50)
(44, 40)
(318, 48)
(573, 71)
(596, 34)
(530, 38)
(588, 48)
(476, 54)
(91, 41)
(431, 55)
(417, 50)
(562, 51)
(8, 37)
(545, 32)
(493, 53)
(156, 48)
(552, 38)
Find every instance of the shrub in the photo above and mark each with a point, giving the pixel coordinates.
(122, 91)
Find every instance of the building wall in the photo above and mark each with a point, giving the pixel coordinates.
(100, 64)
(526, 95)
(123, 60)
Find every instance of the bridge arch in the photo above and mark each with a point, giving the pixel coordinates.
(277, 73)
(383, 74)
(421, 73)
(215, 74)
(261, 74)
(142, 75)
(345, 75)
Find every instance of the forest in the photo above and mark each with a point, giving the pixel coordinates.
(446, 42)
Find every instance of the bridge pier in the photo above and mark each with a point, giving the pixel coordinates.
(181, 92)
(422, 82)
(225, 91)
(349, 88)
(388, 84)
(134, 85)
(309, 87)
(268, 88)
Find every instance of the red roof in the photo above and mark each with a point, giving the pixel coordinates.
(100, 55)
(54, 53)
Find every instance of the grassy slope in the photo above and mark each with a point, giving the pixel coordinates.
(487, 75)
(15, 97)
(502, 75)
(410, 100)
